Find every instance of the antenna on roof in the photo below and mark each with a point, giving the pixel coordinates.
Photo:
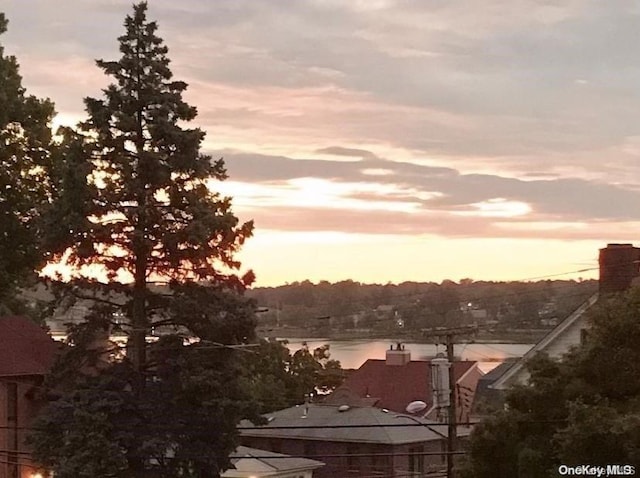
(305, 414)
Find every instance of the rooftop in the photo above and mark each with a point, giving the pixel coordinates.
(395, 386)
(265, 463)
(347, 424)
(25, 348)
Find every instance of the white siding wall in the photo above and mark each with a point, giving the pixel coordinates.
(569, 338)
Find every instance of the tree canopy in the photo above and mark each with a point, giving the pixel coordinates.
(583, 409)
(279, 379)
(135, 199)
(25, 140)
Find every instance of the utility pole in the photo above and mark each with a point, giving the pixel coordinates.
(446, 336)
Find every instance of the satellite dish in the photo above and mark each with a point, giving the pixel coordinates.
(416, 406)
(343, 408)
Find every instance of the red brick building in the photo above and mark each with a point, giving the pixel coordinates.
(26, 354)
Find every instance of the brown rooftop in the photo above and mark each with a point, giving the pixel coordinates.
(25, 348)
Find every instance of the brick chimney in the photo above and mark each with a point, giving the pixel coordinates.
(619, 266)
(398, 356)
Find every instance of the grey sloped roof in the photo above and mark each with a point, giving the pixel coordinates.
(272, 461)
(507, 378)
(326, 423)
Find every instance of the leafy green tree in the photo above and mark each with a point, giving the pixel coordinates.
(25, 142)
(600, 434)
(445, 304)
(315, 371)
(584, 408)
(134, 199)
(280, 379)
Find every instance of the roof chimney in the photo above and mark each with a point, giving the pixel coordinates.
(619, 266)
(398, 356)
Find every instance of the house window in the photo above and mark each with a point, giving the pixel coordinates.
(416, 460)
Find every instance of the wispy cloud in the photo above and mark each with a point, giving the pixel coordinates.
(515, 119)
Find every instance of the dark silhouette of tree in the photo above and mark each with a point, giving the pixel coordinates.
(280, 379)
(135, 199)
(25, 143)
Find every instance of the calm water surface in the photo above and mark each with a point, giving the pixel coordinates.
(353, 353)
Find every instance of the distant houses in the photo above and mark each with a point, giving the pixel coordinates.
(353, 429)
(366, 427)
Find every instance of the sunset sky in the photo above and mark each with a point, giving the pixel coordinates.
(389, 140)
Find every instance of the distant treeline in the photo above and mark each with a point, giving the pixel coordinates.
(415, 305)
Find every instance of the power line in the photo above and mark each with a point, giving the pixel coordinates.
(407, 294)
(361, 455)
(306, 427)
(419, 295)
(522, 280)
(311, 456)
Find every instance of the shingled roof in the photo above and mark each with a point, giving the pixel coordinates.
(346, 424)
(25, 348)
(247, 460)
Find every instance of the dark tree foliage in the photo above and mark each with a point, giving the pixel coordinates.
(506, 306)
(280, 379)
(584, 409)
(134, 199)
(25, 140)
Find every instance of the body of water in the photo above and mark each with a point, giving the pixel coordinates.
(353, 353)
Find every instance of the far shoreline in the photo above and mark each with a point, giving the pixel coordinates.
(511, 337)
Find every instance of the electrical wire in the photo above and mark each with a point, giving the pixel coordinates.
(20, 463)
(343, 455)
(307, 427)
(522, 280)
(421, 295)
(510, 354)
(496, 283)
(314, 456)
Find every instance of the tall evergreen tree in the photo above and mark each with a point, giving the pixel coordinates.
(25, 139)
(135, 199)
